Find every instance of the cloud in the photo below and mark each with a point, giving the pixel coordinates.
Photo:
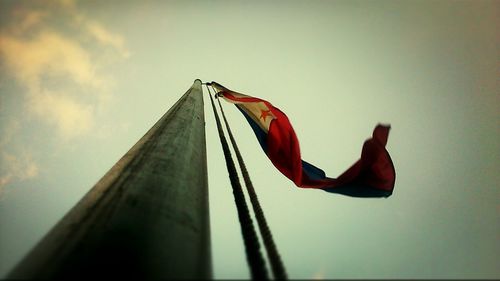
(56, 55)
(61, 74)
(14, 166)
(106, 38)
(70, 117)
(28, 20)
(8, 132)
(49, 54)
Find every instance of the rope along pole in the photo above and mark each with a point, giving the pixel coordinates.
(255, 259)
(277, 267)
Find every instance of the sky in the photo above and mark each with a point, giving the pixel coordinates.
(82, 81)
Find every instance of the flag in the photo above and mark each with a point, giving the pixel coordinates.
(373, 175)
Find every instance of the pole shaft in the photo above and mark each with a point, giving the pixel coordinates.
(148, 217)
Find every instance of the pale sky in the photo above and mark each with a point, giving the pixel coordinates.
(81, 82)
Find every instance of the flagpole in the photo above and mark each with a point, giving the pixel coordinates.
(147, 218)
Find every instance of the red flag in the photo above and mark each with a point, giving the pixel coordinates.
(373, 175)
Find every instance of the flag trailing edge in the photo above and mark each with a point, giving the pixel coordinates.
(373, 175)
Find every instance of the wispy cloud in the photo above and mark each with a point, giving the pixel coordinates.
(37, 53)
(28, 19)
(102, 35)
(70, 117)
(14, 166)
(55, 53)
(47, 54)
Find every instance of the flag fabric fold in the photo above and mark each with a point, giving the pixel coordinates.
(373, 175)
